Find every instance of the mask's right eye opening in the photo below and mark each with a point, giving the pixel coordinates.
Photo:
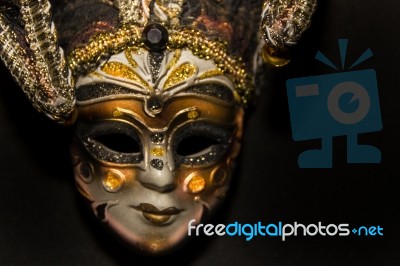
(119, 142)
(110, 141)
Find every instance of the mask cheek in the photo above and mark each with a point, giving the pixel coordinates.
(96, 182)
(207, 186)
(83, 171)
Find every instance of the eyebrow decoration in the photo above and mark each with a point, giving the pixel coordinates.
(214, 90)
(99, 90)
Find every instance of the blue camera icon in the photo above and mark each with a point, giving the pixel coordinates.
(339, 104)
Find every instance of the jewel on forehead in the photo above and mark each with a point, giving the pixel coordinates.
(155, 37)
(154, 34)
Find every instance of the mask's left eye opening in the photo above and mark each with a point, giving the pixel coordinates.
(201, 143)
(112, 141)
(192, 145)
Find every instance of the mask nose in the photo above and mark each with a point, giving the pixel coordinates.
(159, 174)
(158, 177)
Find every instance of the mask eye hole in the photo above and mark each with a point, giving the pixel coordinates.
(192, 145)
(201, 143)
(119, 142)
(113, 142)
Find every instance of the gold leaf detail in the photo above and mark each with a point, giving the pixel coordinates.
(211, 73)
(175, 59)
(180, 74)
(97, 75)
(117, 69)
(129, 57)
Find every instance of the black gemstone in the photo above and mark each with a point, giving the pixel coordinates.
(155, 37)
(157, 164)
(155, 104)
(157, 138)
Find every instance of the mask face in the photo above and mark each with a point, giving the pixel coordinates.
(156, 138)
(156, 90)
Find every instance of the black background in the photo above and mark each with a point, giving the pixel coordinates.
(44, 222)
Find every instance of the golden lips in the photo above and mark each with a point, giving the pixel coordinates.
(155, 216)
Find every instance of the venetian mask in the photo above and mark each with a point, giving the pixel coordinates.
(156, 91)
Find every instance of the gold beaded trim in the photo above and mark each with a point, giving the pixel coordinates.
(86, 58)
